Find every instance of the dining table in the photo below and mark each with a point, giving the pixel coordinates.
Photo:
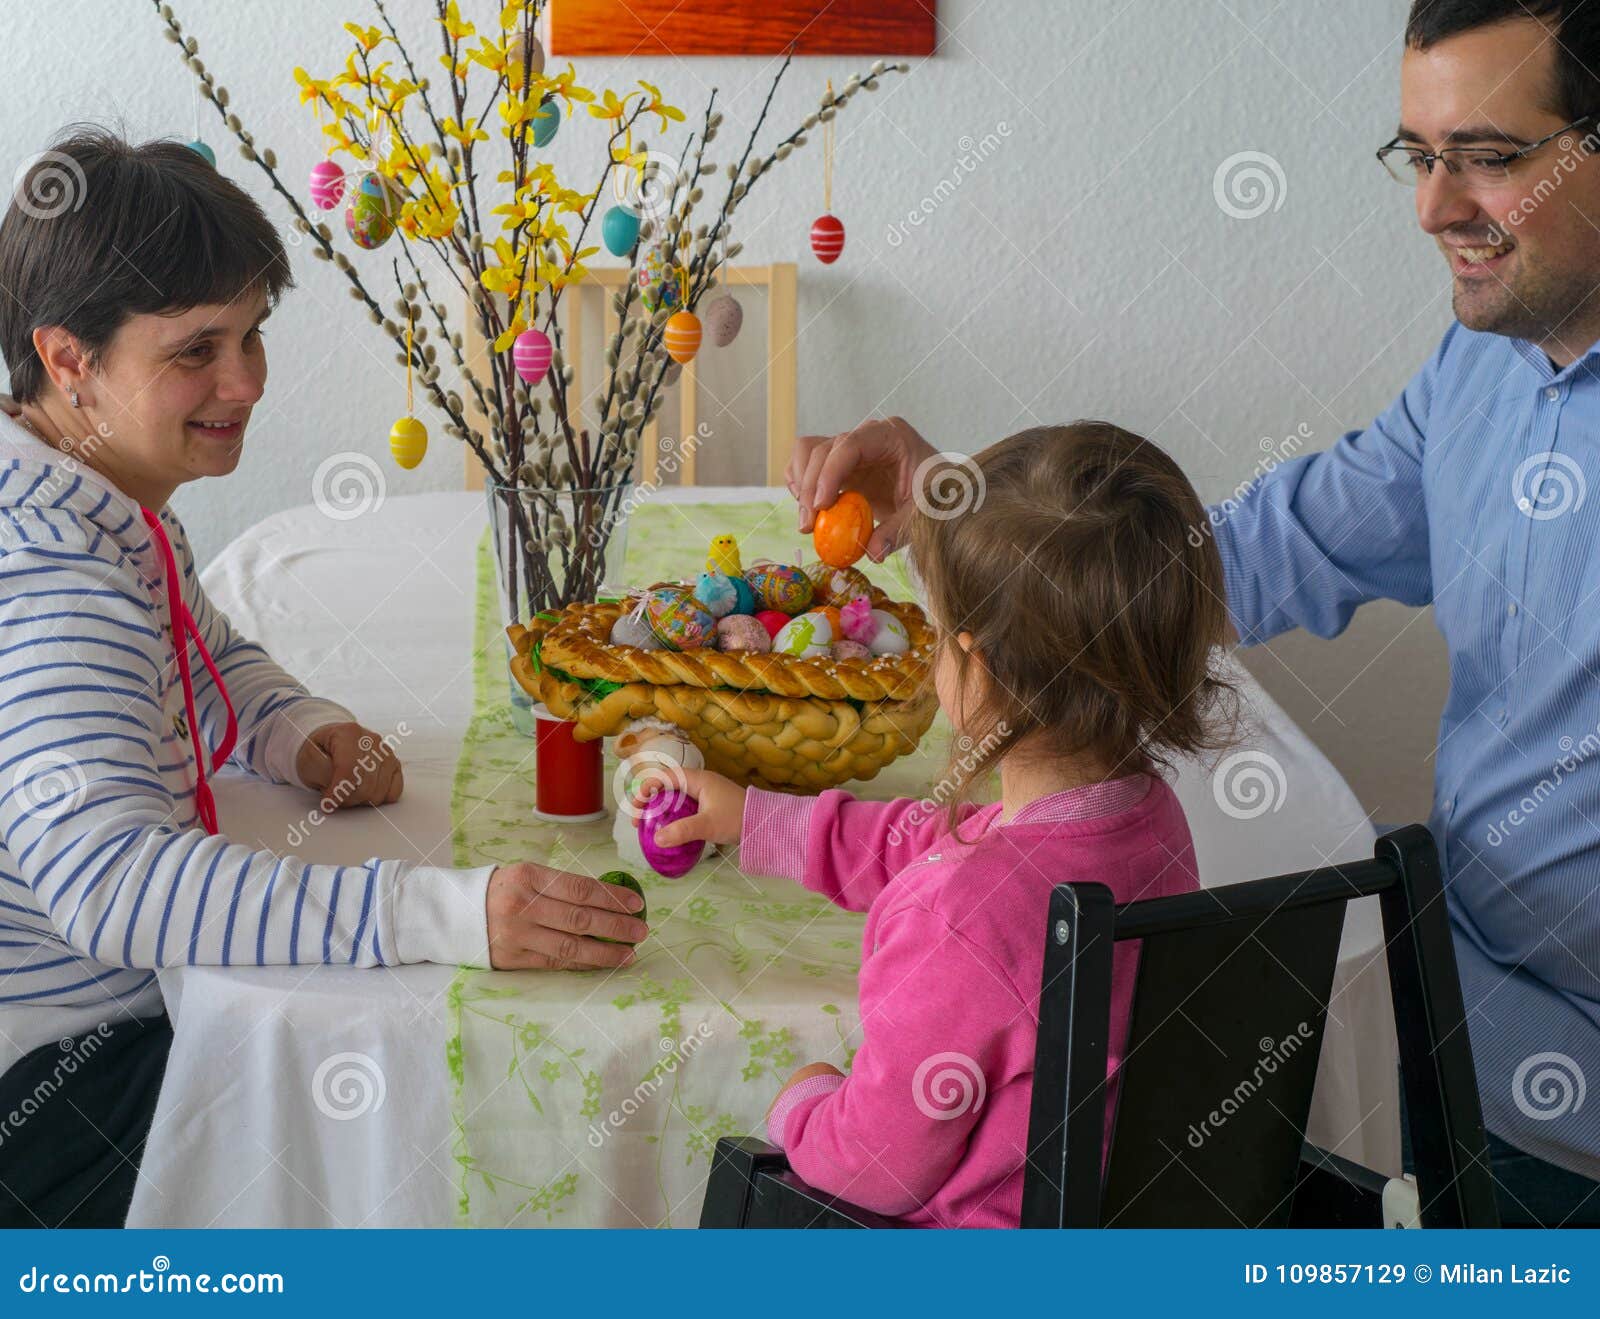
(437, 1096)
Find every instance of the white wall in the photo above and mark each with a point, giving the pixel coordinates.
(1073, 261)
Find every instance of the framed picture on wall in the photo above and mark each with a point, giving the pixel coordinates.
(743, 27)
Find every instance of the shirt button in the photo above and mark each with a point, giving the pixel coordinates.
(1512, 609)
(1450, 806)
(1499, 716)
(1552, 393)
(1524, 504)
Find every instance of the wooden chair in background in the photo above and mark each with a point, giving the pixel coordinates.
(781, 366)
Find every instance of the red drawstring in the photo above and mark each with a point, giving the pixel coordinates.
(183, 629)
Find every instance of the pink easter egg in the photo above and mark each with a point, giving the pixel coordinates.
(530, 354)
(327, 185)
(662, 809)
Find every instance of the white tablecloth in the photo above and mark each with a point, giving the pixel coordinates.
(375, 612)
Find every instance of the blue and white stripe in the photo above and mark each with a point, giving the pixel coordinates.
(105, 872)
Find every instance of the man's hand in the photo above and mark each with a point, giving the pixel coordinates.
(350, 766)
(551, 920)
(878, 459)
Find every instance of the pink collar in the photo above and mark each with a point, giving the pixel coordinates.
(1089, 802)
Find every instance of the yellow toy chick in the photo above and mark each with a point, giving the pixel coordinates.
(724, 556)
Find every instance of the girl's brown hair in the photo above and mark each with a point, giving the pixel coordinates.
(1081, 561)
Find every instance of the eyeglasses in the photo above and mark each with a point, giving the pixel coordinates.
(1473, 164)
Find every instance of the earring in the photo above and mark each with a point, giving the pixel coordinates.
(72, 397)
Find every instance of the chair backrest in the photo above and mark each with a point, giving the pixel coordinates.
(1223, 1043)
(781, 366)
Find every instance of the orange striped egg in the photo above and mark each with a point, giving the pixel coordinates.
(682, 336)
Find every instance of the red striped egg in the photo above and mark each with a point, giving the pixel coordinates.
(827, 238)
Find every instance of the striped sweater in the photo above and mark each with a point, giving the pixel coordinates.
(106, 873)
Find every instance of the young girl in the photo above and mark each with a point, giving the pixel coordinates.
(1076, 610)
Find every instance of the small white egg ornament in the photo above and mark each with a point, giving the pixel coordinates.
(891, 638)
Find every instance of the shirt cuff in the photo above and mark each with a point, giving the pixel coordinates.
(772, 834)
(440, 915)
(290, 728)
(813, 1087)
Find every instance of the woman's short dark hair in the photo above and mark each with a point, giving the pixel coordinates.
(100, 230)
(1575, 25)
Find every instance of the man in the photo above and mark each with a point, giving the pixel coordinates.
(1470, 494)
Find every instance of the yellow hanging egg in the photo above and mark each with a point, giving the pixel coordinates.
(408, 441)
(682, 336)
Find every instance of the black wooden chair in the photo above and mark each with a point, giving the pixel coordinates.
(1215, 1086)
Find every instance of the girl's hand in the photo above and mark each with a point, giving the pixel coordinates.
(350, 766)
(878, 459)
(804, 1074)
(721, 801)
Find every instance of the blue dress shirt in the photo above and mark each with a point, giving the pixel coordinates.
(1471, 493)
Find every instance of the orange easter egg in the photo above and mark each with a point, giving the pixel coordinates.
(843, 530)
(682, 336)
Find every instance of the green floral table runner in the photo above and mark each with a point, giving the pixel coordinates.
(594, 1099)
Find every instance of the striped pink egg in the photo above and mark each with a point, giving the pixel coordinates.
(327, 185)
(530, 354)
(827, 238)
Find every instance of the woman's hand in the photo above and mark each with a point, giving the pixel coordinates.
(721, 803)
(804, 1074)
(350, 766)
(878, 458)
(551, 920)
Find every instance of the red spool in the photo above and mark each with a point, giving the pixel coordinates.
(569, 781)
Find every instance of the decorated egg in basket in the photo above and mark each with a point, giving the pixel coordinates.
(837, 586)
(678, 620)
(779, 586)
(806, 637)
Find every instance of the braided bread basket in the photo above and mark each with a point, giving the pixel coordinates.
(764, 720)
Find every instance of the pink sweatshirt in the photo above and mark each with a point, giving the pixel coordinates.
(931, 1125)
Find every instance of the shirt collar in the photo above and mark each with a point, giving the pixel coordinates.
(1089, 802)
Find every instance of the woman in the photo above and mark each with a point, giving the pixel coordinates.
(132, 332)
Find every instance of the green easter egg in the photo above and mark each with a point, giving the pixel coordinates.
(623, 880)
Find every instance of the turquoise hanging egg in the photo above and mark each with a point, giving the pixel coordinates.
(780, 586)
(678, 619)
(546, 119)
(204, 152)
(619, 230)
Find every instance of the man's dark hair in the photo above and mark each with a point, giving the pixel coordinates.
(99, 230)
(1575, 24)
